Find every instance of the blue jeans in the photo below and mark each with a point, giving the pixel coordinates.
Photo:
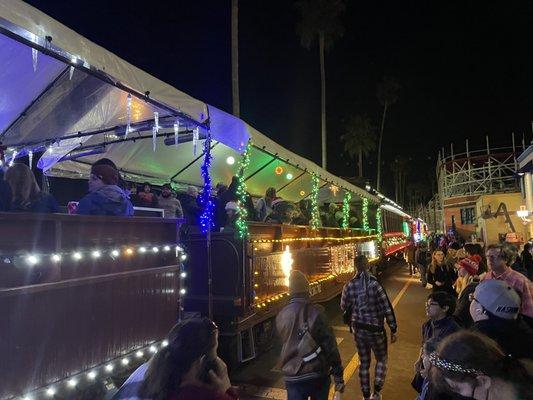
(317, 389)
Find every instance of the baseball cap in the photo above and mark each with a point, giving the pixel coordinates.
(498, 298)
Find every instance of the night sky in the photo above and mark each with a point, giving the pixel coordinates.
(465, 68)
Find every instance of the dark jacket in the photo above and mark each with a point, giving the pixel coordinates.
(445, 274)
(42, 203)
(527, 262)
(108, 200)
(438, 329)
(514, 336)
(191, 209)
(289, 322)
(462, 310)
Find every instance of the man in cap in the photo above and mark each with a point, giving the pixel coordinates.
(369, 305)
(494, 309)
(169, 203)
(105, 197)
(309, 353)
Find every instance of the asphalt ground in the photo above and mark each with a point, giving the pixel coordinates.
(262, 379)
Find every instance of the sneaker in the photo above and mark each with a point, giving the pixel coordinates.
(375, 396)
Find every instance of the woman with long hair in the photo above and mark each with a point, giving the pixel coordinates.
(188, 367)
(27, 196)
(473, 366)
(440, 274)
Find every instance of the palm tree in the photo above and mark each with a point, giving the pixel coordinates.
(399, 169)
(387, 94)
(359, 138)
(320, 19)
(235, 57)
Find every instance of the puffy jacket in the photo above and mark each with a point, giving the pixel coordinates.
(108, 200)
(289, 322)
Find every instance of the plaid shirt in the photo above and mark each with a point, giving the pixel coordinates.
(519, 283)
(378, 306)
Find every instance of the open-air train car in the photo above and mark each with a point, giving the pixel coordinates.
(86, 298)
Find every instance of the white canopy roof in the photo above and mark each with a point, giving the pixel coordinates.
(71, 96)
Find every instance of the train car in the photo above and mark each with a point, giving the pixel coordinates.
(87, 298)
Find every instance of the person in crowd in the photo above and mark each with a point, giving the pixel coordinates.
(105, 197)
(441, 274)
(426, 390)
(527, 259)
(423, 258)
(368, 304)
(169, 203)
(472, 249)
(132, 193)
(498, 259)
(188, 368)
(106, 161)
(263, 207)
(466, 272)
(473, 366)
(309, 353)
(516, 260)
(452, 255)
(410, 258)
(146, 197)
(5, 193)
(465, 285)
(190, 206)
(494, 309)
(26, 194)
(439, 310)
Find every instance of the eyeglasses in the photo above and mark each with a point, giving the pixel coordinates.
(472, 298)
(431, 303)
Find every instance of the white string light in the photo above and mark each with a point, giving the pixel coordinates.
(142, 249)
(50, 392)
(166, 248)
(183, 291)
(153, 349)
(155, 249)
(183, 257)
(139, 354)
(92, 375)
(77, 256)
(32, 260)
(56, 257)
(109, 367)
(183, 275)
(164, 343)
(125, 361)
(115, 253)
(96, 254)
(72, 383)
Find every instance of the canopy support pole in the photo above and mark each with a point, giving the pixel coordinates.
(290, 182)
(191, 163)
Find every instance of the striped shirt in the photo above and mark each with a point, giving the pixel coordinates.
(519, 283)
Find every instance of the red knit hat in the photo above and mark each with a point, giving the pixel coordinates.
(470, 264)
(106, 173)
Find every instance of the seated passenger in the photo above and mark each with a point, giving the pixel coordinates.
(191, 208)
(106, 161)
(146, 197)
(105, 197)
(27, 196)
(263, 208)
(169, 203)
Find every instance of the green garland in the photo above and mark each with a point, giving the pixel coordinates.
(242, 212)
(378, 224)
(315, 214)
(366, 227)
(346, 210)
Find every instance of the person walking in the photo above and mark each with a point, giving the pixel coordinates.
(309, 354)
(422, 258)
(368, 304)
(410, 258)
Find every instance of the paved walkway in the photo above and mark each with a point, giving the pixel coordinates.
(261, 378)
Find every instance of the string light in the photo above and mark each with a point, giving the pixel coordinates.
(96, 254)
(316, 239)
(206, 218)
(278, 170)
(242, 195)
(32, 260)
(125, 361)
(166, 248)
(109, 367)
(142, 249)
(289, 176)
(77, 256)
(92, 375)
(183, 291)
(378, 225)
(315, 214)
(346, 209)
(72, 383)
(164, 343)
(155, 249)
(366, 227)
(183, 257)
(50, 392)
(153, 349)
(115, 253)
(139, 354)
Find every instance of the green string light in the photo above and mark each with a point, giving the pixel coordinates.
(346, 210)
(242, 212)
(378, 224)
(315, 214)
(366, 227)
